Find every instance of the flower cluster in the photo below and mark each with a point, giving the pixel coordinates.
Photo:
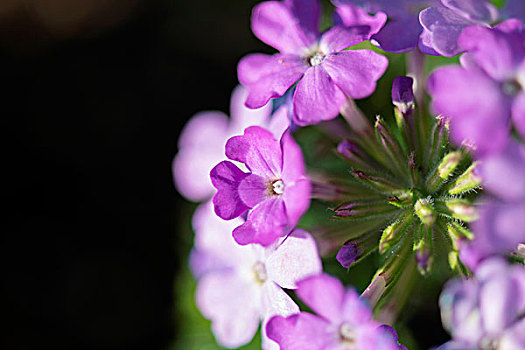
(403, 188)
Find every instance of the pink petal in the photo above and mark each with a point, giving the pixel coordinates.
(293, 161)
(226, 177)
(280, 121)
(351, 15)
(259, 150)
(340, 38)
(265, 223)
(296, 199)
(324, 295)
(303, 331)
(275, 302)
(201, 145)
(294, 259)
(317, 97)
(243, 117)
(232, 305)
(518, 113)
(269, 76)
(356, 71)
(276, 25)
(253, 189)
(308, 12)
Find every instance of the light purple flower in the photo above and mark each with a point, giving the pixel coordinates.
(343, 320)
(241, 285)
(501, 226)
(201, 142)
(443, 23)
(402, 31)
(326, 74)
(486, 312)
(275, 189)
(484, 97)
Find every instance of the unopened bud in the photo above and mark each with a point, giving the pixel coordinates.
(357, 249)
(377, 182)
(425, 211)
(361, 209)
(469, 180)
(403, 94)
(423, 247)
(393, 233)
(461, 209)
(445, 168)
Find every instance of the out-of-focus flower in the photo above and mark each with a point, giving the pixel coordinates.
(443, 23)
(327, 75)
(275, 188)
(343, 320)
(202, 141)
(485, 97)
(241, 285)
(401, 32)
(501, 226)
(486, 312)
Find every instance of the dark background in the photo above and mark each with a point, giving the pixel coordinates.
(94, 95)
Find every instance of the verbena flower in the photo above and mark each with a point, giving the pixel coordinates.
(239, 286)
(201, 142)
(484, 97)
(325, 73)
(342, 322)
(443, 23)
(486, 312)
(275, 190)
(501, 226)
(402, 31)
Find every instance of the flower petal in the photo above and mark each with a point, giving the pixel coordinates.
(324, 294)
(258, 150)
(340, 38)
(303, 331)
(350, 15)
(483, 121)
(265, 223)
(269, 76)
(473, 10)
(296, 199)
(498, 53)
(276, 25)
(356, 71)
(243, 117)
(294, 259)
(253, 189)
(399, 35)
(226, 177)
(233, 306)
(316, 97)
(518, 113)
(308, 12)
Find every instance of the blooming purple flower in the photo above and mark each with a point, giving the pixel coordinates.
(202, 141)
(326, 74)
(501, 226)
(486, 95)
(343, 320)
(486, 312)
(443, 23)
(402, 31)
(241, 285)
(275, 188)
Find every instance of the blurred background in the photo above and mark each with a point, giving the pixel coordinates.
(94, 244)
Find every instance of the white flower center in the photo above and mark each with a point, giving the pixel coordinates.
(278, 186)
(347, 334)
(316, 59)
(259, 270)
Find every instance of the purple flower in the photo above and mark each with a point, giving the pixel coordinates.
(343, 320)
(326, 74)
(275, 188)
(401, 32)
(241, 285)
(501, 226)
(443, 23)
(484, 97)
(202, 141)
(486, 312)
